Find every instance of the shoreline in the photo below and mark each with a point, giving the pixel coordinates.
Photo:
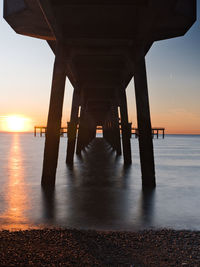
(72, 247)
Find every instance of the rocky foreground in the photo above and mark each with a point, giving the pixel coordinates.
(57, 247)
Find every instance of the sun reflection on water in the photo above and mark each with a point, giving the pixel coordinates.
(14, 217)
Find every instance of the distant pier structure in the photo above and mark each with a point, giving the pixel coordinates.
(100, 45)
(134, 131)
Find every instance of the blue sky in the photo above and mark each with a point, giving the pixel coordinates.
(173, 68)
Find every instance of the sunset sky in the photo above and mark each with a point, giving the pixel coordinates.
(173, 68)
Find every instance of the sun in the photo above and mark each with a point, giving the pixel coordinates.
(16, 123)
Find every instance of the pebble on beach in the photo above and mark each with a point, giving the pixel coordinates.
(65, 247)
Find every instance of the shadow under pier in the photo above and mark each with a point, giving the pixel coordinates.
(99, 193)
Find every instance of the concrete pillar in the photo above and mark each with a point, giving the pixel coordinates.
(104, 127)
(85, 133)
(109, 130)
(91, 132)
(72, 128)
(144, 125)
(116, 132)
(80, 138)
(126, 130)
(54, 120)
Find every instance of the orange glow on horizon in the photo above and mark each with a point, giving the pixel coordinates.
(16, 123)
(174, 122)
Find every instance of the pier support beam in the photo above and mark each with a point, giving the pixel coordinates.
(144, 125)
(72, 128)
(126, 130)
(54, 120)
(108, 133)
(116, 130)
(81, 131)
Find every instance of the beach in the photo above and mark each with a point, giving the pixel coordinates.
(64, 247)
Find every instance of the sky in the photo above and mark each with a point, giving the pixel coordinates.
(173, 71)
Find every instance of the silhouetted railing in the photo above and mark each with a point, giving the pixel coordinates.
(134, 131)
(42, 130)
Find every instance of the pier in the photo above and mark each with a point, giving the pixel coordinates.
(134, 131)
(154, 131)
(100, 46)
(41, 130)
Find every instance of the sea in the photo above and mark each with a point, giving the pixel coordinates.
(98, 192)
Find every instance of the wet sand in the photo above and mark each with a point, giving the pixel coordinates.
(65, 247)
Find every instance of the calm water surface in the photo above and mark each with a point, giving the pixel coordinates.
(98, 192)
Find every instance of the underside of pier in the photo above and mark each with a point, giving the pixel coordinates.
(100, 45)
